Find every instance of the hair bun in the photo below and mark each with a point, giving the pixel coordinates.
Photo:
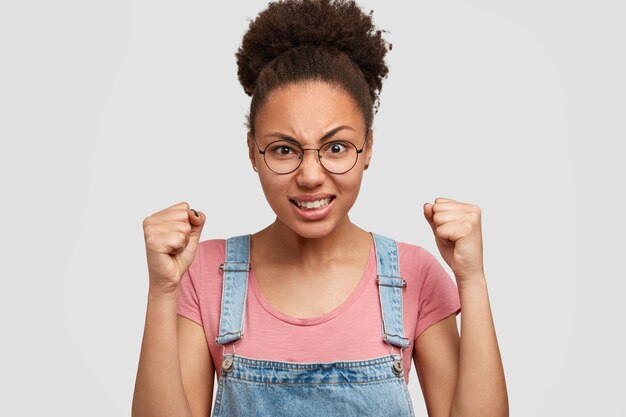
(333, 24)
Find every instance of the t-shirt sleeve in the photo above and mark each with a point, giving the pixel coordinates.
(188, 304)
(439, 296)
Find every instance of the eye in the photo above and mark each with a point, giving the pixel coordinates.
(337, 147)
(283, 149)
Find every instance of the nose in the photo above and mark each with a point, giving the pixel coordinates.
(310, 172)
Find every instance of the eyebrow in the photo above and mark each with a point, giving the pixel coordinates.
(327, 135)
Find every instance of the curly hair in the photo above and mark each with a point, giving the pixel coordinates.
(300, 40)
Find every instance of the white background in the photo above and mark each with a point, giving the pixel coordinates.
(113, 110)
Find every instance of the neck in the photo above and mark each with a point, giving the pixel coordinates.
(284, 243)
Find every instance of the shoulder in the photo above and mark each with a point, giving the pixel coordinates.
(417, 264)
(415, 255)
(406, 250)
(211, 250)
(412, 253)
(211, 247)
(209, 254)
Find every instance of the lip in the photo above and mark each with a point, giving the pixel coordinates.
(314, 214)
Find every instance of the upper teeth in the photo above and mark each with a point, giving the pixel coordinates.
(313, 204)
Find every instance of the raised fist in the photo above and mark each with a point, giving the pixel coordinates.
(172, 237)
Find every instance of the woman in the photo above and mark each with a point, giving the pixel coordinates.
(332, 314)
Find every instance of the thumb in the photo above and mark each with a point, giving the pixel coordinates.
(197, 220)
(428, 214)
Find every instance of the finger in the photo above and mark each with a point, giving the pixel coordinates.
(171, 215)
(442, 217)
(451, 206)
(160, 228)
(443, 200)
(182, 206)
(451, 231)
(428, 214)
(197, 220)
(170, 243)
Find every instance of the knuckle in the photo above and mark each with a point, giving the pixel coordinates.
(176, 242)
(150, 241)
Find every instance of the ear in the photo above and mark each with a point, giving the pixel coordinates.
(368, 148)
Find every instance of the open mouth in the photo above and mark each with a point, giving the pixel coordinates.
(313, 205)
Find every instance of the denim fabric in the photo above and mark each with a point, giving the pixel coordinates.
(258, 387)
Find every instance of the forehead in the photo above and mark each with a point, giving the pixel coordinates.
(308, 110)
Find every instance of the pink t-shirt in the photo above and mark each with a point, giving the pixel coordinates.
(351, 331)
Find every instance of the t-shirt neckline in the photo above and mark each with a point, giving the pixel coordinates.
(311, 321)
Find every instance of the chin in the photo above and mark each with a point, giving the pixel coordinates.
(311, 230)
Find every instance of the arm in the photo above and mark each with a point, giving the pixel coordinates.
(436, 358)
(463, 377)
(479, 388)
(196, 366)
(159, 386)
(175, 374)
(174, 355)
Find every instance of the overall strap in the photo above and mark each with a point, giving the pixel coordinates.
(234, 289)
(390, 286)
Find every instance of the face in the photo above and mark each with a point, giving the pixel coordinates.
(307, 112)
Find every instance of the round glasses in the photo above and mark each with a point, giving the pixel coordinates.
(284, 156)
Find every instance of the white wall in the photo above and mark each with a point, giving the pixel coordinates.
(112, 110)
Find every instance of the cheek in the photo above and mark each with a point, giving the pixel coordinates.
(274, 189)
(353, 182)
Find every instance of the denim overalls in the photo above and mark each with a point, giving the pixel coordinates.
(257, 387)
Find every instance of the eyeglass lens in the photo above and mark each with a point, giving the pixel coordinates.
(284, 156)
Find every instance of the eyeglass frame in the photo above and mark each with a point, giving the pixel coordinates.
(319, 157)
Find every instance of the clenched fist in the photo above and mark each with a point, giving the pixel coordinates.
(172, 237)
(458, 234)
